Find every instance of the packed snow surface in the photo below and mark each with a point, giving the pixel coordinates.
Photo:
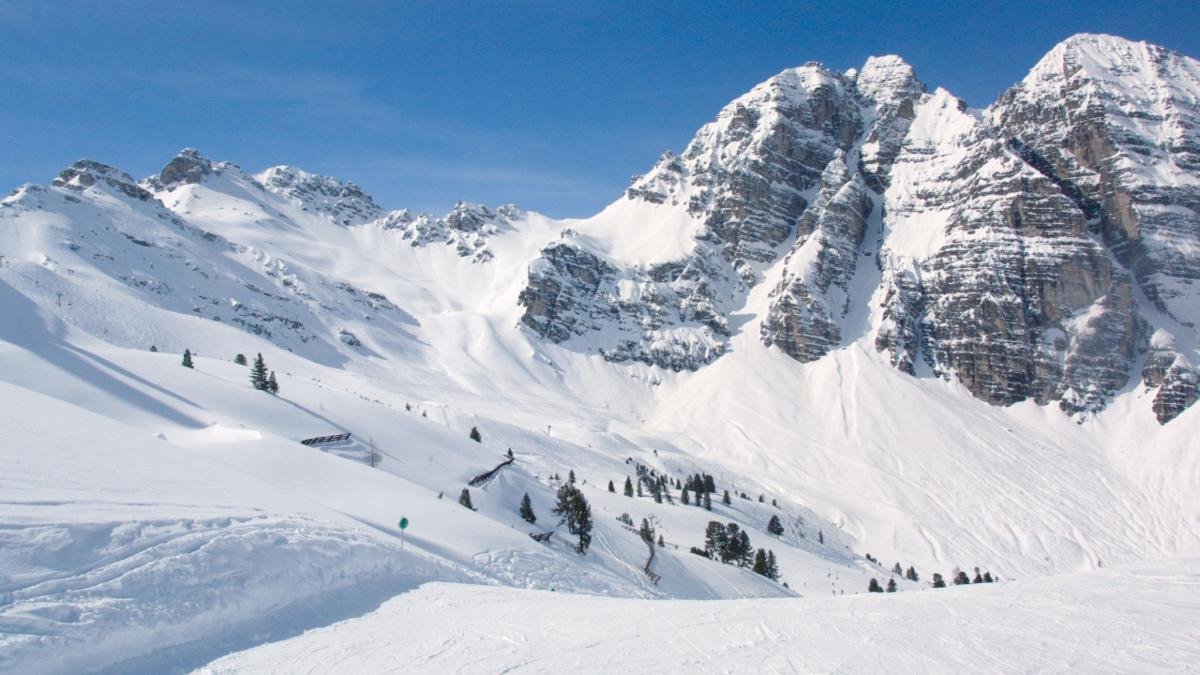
(1105, 621)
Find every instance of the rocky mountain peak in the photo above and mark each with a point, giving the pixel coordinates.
(188, 167)
(891, 91)
(1115, 124)
(87, 173)
(888, 79)
(990, 270)
(341, 201)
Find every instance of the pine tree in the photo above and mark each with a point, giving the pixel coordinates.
(573, 510)
(745, 550)
(874, 587)
(628, 487)
(774, 526)
(891, 587)
(978, 577)
(187, 359)
(683, 496)
(716, 540)
(774, 503)
(726, 500)
(475, 435)
(258, 374)
(272, 383)
(571, 476)
(240, 359)
(661, 544)
(564, 507)
(526, 510)
(465, 499)
(611, 487)
(584, 516)
(761, 499)
(511, 456)
(938, 581)
(707, 502)
(760, 563)
(897, 569)
(639, 487)
(987, 577)
(961, 578)
(772, 566)
(911, 574)
(709, 484)
(820, 536)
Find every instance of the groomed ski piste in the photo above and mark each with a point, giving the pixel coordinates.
(157, 518)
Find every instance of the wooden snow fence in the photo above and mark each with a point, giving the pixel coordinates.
(325, 440)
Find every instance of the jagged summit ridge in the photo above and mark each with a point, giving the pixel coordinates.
(990, 272)
(342, 201)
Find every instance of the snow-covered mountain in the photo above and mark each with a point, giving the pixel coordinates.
(944, 336)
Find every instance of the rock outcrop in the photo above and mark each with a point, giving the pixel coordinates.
(467, 227)
(340, 201)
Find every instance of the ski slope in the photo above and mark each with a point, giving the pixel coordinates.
(1104, 621)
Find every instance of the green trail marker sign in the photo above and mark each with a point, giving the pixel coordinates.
(403, 526)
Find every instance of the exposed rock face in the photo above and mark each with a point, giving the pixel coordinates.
(1180, 388)
(86, 173)
(814, 290)
(342, 202)
(658, 315)
(745, 180)
(1017, 301)
(467, 227)
(189, 166)
(1013, 245)
(1116, 124)
(891, 91)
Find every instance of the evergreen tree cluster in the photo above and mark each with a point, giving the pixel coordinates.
(728, 543)
(573, 510)
(261, 378)
(874, 587)
(764, 564)
(700, 483)
(959, 578)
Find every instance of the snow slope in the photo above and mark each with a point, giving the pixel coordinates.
(1105, 621)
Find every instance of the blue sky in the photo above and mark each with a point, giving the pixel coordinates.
(549, 105)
